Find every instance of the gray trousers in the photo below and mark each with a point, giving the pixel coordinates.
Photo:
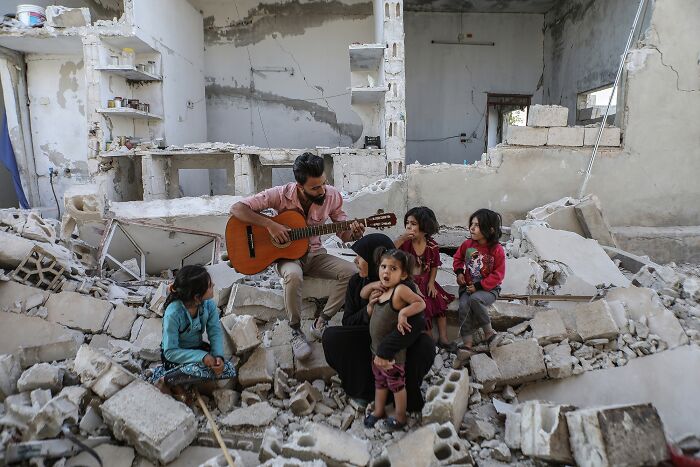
(316, 264)
(474, 310)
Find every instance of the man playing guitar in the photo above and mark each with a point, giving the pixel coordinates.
(318, 202)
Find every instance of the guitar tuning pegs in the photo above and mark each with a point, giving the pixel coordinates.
(380, 211)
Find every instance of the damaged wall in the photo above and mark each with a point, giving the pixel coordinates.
(652, 181)
(583, 42)
(446, 85)
(99, 9)
(305, 108)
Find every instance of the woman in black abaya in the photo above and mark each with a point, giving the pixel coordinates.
(347, 347)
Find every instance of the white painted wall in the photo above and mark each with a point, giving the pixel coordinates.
(56, 88)
(312, 37)
(446, 85)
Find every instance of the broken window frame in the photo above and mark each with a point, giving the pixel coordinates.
(114, 224)
(522, 101)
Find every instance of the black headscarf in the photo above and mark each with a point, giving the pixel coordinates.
(365, 248)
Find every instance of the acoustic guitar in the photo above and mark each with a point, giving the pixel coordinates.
(251, 249)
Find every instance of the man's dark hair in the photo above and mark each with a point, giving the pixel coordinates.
(489, 224)
(307, 165)
(427, 222)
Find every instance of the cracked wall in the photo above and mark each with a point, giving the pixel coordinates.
(298, 94)
(446, 85)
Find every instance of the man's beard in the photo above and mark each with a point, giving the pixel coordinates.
(316, 199)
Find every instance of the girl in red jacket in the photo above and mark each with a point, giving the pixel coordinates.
(480, 265)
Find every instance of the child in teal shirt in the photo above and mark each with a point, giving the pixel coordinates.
(189, 312)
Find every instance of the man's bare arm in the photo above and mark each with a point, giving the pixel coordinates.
(243, 213)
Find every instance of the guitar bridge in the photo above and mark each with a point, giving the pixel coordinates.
(251, 245)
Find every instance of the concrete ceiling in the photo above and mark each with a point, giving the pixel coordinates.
(481, 6)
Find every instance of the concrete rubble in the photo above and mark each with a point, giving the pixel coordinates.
(95, 338)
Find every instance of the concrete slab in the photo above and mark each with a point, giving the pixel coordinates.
(262, 304)
(256, 415)
(594, 224)
(120, 321)
(595, 321)
(547, 327)
(78, 311)
(524, 276)
(37, 340)
(19, 297)
(662, 379)
(505, 315)
(10, 371)
(448, 402)
(520, 362)
(149, 339)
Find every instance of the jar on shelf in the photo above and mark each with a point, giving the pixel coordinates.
(151, 67)
(111, 104)
(116, 102)
(114, 60)
(128, 57)
(147, 108)
(134, 104)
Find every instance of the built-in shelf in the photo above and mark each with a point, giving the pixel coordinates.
(129, 72)
(129, 113)
(366, 56)
(368, 95)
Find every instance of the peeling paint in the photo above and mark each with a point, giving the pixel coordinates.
(67, 81)
(55, 157)
(286, 19)
(318, 112)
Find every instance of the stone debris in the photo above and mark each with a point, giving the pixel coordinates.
(520, 362)
(433, 444)
(78, 311)
(41, 375)
(544, 433)
(449, 401)
(242, 330)
(99, 373)
(548, 327)
(335, 448)
(304, 398)
(257, 415)
(485, 371)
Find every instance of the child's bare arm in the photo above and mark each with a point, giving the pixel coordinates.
(407, 301)
(367, 290)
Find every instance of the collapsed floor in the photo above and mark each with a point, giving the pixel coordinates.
(77, 342)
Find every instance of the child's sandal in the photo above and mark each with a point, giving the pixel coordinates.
(371, 420)
(394, 425)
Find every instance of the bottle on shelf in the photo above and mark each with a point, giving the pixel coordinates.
(128, 57)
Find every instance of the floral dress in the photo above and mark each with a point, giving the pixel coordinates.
(434, 306)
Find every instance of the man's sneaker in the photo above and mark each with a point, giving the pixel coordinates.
(300, 347)
(317, 332)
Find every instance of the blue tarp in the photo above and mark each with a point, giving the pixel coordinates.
(7, 158)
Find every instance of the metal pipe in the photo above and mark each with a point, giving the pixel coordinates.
(607, 109)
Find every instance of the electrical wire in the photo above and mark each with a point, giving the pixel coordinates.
(51, 174)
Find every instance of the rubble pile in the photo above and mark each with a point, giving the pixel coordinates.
(76, 345)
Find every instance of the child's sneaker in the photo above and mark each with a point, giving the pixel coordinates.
(300, 348)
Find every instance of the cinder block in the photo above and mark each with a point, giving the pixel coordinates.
(448, 401)
(156, 425)
(332, 446)
(544, 433)
(594, 321)
(558, 361)
(40, 269)
(99, 373)
(547, 116)
(78, 311)
(628, 435)
(565, 136)
(242, 330)
(611, 136)
(41, 376)
(547, 327)
(485, 371)
(520, 362)
(526, 136)
(432, 444)
(304, 399)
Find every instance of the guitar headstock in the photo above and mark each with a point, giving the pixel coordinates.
(382, 221)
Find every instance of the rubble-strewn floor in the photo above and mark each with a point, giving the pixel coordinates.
(75, 350)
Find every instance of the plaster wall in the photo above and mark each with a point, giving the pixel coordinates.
(99, 9)
(271, 106)
(57, 90)
(583, 42)
(446, 85)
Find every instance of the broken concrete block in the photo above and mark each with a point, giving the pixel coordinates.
(526, 136)
(448, 402)
(547, 115)
(116, 456)
(476, 429)
(40, 269)
(513, 433)
(158, 299)
(314, 367)
(63, 17)
(149, 339)
(281, 384)
(20, 298)
(559, 215)
(287, 462)
(485, 371)
(271, 445)
(10, 371)
(334, 447)
(505, 315)
(41, 376)
(611, 136)
(524, 277)
(221, 461)
(593, 223)
(565, 136)
(99, 373)
(91, 421)
(259, 368)
(51, 417)
(582, 257)
(78, 311)
(304, 398)
(14, 249)
(242, 330)
(520, 362)
(225, 399)
(558, 362)
(36, 340)
(120, 321)
(223, 276)
(622, 435)
(544, 432)
(262, 304)
(594, 321)
(432, 444)
(155, 424)
(547, 327)
(256, 415)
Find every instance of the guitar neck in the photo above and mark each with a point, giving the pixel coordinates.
(323, 229)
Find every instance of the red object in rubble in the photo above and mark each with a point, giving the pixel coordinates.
(679, 460)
